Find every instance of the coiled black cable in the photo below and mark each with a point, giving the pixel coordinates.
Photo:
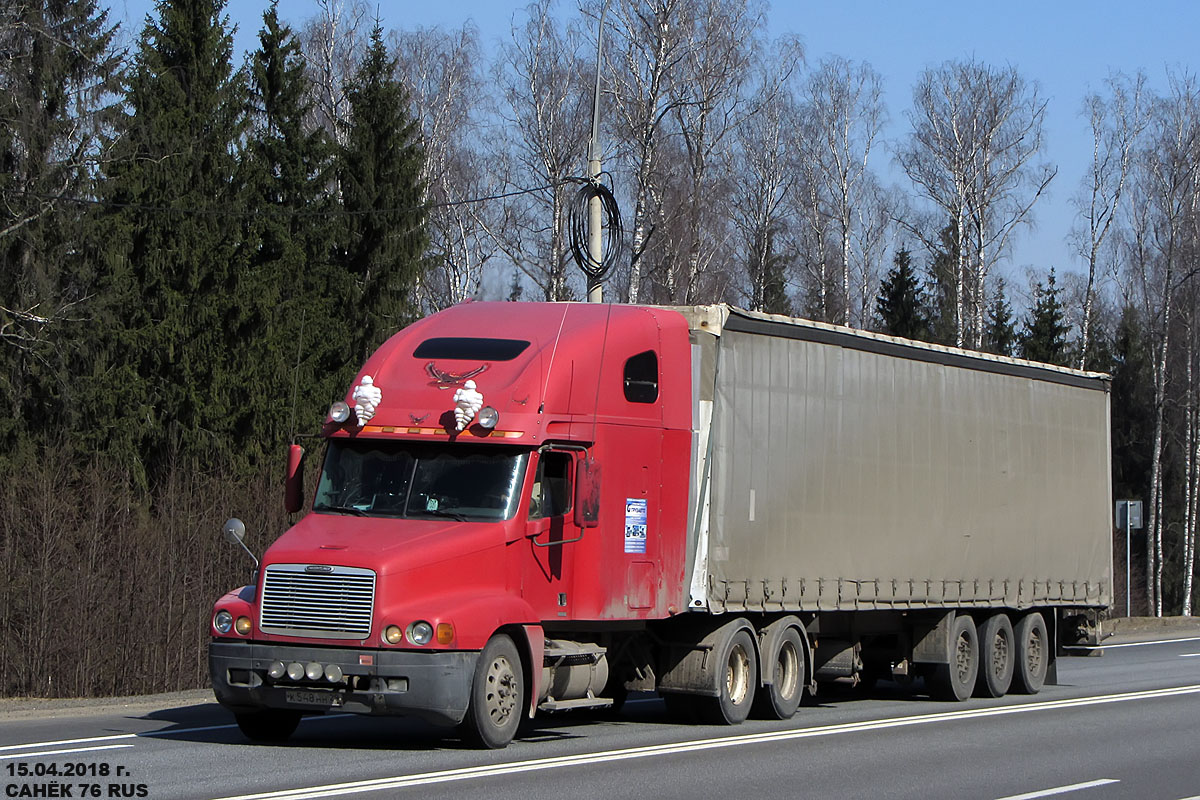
(614, 237)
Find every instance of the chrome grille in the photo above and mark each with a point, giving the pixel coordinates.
(335, 604)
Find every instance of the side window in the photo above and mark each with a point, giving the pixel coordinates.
(551, 486)
(641, 378)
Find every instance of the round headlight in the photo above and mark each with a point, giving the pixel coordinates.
(488, 417)
(339, 412)
(243, 626)
(223, 621)
(392, 634)
(420, 632)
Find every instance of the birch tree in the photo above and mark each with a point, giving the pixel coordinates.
(1168, 202)
(762, 172)
(1117, 122)
(441, 72)
(721, 42)
(548, 108)
(845, 115)
(649, 43)
(976, 131)
(333, 40)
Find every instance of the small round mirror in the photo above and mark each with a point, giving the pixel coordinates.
(235, 531)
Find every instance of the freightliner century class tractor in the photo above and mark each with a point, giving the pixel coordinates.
(527, 508)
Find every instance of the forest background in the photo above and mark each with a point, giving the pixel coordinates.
(197, 251)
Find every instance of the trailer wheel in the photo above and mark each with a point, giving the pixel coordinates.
(956, 680)
(780, 698)
(737, 677)
(997, 656)
(1033, 654)
(497, 695)
(268, 724)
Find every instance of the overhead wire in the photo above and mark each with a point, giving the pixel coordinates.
(268, 210)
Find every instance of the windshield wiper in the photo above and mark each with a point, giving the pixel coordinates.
(358, 512)
(438, 512)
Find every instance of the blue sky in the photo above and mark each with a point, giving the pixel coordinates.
(1068, 47)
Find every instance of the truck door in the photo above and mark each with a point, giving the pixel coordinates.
(551, 533)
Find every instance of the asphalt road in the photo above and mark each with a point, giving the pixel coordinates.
(1123, 725)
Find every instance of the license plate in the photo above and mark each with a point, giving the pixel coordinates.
(325, 699)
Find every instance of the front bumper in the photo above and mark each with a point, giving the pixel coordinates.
(434, 686)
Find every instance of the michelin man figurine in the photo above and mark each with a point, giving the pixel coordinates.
(467, 403)
(366, 399)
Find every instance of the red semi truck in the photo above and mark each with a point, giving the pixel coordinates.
(536, 507)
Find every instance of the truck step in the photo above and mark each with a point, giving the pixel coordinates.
(550, 706)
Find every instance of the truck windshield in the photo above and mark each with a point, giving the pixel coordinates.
(380, 478)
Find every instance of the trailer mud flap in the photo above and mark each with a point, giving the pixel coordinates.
(688, 665)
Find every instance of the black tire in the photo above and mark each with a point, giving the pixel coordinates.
(268, 724)
(997, 656)
(1032, 654)
(956, 680)
(497, 696)
(780, 698)
(737, 677)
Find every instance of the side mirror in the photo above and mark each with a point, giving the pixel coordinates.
(587, 493)
(293, 488)
(235, 533)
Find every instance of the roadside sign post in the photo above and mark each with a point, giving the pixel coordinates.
(1129, 516)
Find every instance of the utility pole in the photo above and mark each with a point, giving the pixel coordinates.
(595, 293)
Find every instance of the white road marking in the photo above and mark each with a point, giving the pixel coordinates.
(1130, 644)
(1189, 655)
(146, 734)
(1074, 787)
(64, 752)
(467, 773)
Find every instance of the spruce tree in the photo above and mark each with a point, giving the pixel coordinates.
(775, 296)
(901, 303)
(942, 281)
(1132, 407)
(1000, 333)
(297, 294)
(58, 70)
(384, 236)
(1045, 336)
(167, 382)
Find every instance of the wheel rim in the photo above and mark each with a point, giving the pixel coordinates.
(737, 674)
(962, 658)
(501, 696)
(1000, 654)
(787, 670)
(1033, 652)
